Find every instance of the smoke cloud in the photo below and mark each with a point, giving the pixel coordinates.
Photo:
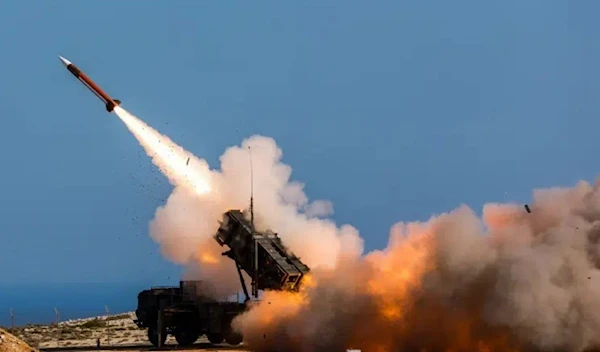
(508, 281)
(511, 281)
(184, 226)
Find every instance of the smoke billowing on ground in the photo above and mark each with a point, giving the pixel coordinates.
(509, 281)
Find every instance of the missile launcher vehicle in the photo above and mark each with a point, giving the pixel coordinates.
(187, 311)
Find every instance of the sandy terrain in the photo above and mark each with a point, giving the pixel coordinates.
(10, 343)
(113, 331)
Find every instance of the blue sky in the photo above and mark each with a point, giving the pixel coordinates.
(393, 110)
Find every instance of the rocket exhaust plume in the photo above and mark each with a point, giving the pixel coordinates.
(514, 280)
(171, 159)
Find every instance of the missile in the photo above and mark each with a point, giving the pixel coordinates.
(106, 99)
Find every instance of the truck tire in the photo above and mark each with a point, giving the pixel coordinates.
(153, 336)
(234, 338)
(215, 338)
(186, 337)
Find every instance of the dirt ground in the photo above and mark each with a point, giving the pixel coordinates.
(118, 332)
(10, 343)
(197, 347)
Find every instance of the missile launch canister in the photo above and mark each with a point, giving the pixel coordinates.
(109, 102)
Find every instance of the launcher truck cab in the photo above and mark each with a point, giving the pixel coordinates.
(185, 312)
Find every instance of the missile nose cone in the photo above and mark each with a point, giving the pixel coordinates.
(64, 61)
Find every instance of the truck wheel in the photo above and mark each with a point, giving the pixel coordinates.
(186, 337)
(215, 338)
(153, 336)
(234, 338)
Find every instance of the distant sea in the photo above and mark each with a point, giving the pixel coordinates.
(34, 303)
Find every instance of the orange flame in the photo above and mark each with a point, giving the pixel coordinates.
(206, 258)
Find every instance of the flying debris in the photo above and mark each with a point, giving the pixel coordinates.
(106, 99)
(527, 208)
(187, 162)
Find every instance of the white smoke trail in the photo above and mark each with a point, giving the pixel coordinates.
(171, 159)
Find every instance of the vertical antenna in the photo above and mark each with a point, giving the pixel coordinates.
(255, 278)
(251, 192)
(58, 331)
(107, 324)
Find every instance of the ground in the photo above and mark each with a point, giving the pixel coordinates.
(11, 343)
(114, 332)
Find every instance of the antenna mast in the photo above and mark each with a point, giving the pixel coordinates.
(251, 192)
(255, 278)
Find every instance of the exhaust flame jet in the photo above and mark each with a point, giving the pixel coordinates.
(106, 99)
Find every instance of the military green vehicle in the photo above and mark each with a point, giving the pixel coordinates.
(187, 311)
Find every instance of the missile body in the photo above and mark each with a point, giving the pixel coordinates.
(106, 99)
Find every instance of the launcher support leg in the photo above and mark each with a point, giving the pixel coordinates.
(239, 270)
